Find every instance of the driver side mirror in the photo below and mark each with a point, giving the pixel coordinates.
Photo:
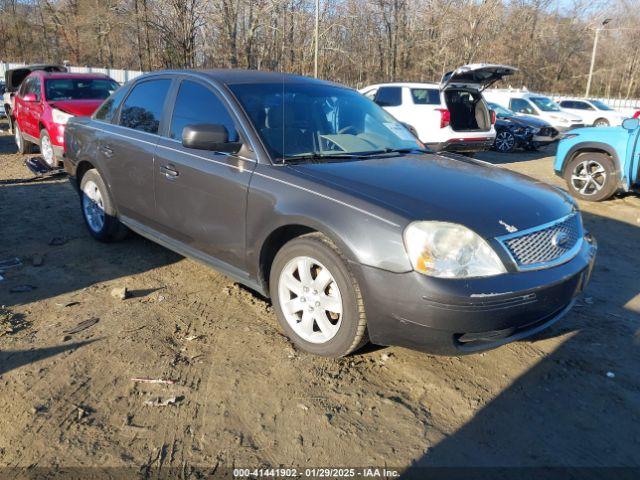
(209, 137)
(630, 123)
(30, 98)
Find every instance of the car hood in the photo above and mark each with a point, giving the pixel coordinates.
(529, 121)
(81, 108)
(492, 201)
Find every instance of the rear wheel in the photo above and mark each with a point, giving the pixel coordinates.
(591, 176)
(505, 141)
(601, 122)
(316, 298)
(23, 145)
(46, 149)
(97, 209)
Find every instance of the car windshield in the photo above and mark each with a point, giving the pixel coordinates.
(307, 119)
(545, 104)
(79, 88)
(501, 111)
(600, 106)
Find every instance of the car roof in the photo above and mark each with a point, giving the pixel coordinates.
(239, 76)
(404, 84)
(48, 75)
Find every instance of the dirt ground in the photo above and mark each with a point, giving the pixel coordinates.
(242, 396)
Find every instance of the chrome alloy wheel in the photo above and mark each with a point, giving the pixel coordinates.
(505, 141)
(589, 177)
(46, 149)
(310, 299)
(93, 206)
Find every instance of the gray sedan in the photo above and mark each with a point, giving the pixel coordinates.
(309, 193)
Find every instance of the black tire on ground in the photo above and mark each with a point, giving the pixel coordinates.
(112, 230)
(600, 171)
(505, 142)
(601, 122)
(352, 333)
(24, 146)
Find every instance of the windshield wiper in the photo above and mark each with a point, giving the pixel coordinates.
(395, 150)
(319, 156)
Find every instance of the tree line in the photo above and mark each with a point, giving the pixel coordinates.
(361, 41)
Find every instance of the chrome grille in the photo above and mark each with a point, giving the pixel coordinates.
(546, 245)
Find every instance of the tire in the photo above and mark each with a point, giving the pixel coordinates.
(601, 122)
(46, 149)
(505, 141)
(24, 146)
(95, 198)
(315, 253)
(591, 176)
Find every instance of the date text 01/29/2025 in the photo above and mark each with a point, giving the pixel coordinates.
(369, 472)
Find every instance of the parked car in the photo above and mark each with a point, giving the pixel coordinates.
(45, 103)
(593, 112)
(540, 106)
(520, 131)
(3, 113)
(13, 79)
(308, 192)
(598, 162)
(451, 115)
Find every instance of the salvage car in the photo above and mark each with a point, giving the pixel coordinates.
(13, 80)
(309, 193)
(520, 131)
(449, 116)
(599, 162)
(45, 103)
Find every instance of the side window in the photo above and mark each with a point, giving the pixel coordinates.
(567, 104)
(26, 85)
(35, 88)
(521, 106)
(389, 96)
(143, 107)
(583, 106)
(425, 96)
(197, 104)
(108, 109)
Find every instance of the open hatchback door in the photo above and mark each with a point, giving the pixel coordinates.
(476, 75)
(15, 76)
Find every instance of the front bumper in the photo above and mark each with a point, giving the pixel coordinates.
(454, 317)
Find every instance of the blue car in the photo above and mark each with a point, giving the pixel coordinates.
(598, 162)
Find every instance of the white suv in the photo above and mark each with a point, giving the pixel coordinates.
(451, 115)
(593, 112)
(541, 106)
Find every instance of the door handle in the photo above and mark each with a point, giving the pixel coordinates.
(169, 171)
(106, 150)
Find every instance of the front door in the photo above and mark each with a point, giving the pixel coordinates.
(201, 195)
(127, 150)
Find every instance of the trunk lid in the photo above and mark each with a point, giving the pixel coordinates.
(477, 75)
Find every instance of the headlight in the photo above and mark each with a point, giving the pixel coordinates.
(60, 117)
(448, 250)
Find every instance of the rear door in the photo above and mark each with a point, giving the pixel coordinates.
(127, 148)
(201, 195)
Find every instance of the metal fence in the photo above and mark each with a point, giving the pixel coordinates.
(120, 76)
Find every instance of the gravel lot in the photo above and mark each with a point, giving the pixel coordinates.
(242, 396)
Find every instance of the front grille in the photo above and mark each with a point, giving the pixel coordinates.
(546, 245)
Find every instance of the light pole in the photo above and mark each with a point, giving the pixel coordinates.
(317, 37)
(593, 55)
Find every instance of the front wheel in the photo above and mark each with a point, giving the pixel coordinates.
(97, 209)
(316, 298)
(46, 149)
(505, 141)
(591, 176)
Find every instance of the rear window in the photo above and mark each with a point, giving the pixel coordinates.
(425, 96)
(78, 89)
(108, 109)
(389, 96)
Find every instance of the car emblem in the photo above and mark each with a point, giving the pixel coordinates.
(559, 239)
